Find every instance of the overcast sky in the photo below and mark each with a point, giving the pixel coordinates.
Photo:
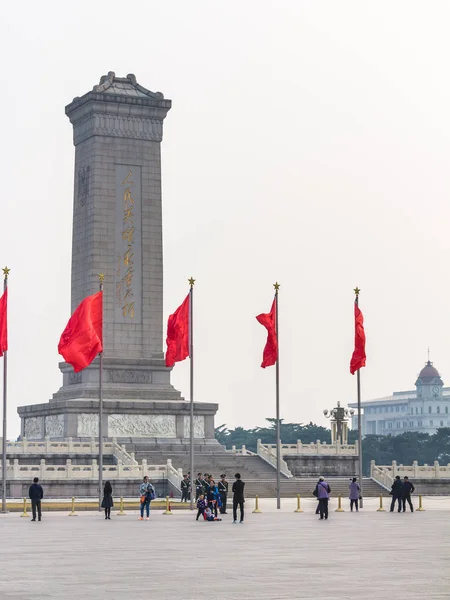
(308, 143)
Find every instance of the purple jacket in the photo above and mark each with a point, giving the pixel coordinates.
(323, 490)
(354, 491)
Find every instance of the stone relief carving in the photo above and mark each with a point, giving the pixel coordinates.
(127, 376)
(199, 426)
(83, 184)
(142, 426)
(74, 378)
(87, 425)
(34, 428)
(54, 426)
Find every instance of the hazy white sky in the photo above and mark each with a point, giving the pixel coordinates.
(308, 143)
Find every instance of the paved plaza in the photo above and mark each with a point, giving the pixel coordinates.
(274, 555)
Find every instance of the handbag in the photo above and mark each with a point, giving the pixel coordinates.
(143, 499)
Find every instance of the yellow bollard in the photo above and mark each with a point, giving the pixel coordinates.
(167, 511)
(121, 512)
(256, 505)
(339, 508)
(72, 512)
(381, 509)
(299, 509)
(421, 508)
(24, 514)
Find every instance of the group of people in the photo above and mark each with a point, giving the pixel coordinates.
(401, 493)
(212, 498)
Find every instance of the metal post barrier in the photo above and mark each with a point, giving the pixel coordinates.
(339, 508)
(24, 514)
(256, 505)
(421, 508)
(298, 509)
(72, 512)
(121, 512)
(168, 510)
(381, 509)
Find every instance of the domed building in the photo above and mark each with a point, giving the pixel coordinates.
(424, 409)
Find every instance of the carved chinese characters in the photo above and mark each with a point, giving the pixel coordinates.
(128, 244)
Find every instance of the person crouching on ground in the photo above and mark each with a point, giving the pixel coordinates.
(323, 495)
(209, 515)
(355, 490)
(201, 506)
(36, 494)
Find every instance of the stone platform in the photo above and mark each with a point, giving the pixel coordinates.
(273, 556)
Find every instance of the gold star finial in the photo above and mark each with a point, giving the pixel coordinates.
(101, 277)
(191, 281)
(356, 290)
(6, 272)
(276, 285)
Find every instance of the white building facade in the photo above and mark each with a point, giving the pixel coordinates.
(425, 409)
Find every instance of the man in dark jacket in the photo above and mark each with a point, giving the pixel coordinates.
(36, 494)
(408, 489)
(397, 493)
(185, 485)
(238, 498)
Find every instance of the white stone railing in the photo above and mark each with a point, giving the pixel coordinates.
(316, 449)
(16, 471)
(269, 454)
(385, 474)
(174, 476)
(70, 447)
(242, 451)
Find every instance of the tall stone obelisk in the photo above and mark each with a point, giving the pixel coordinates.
(117, 230)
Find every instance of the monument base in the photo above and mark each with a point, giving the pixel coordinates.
(155, 421)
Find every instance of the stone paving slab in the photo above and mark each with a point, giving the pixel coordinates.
(274, 555)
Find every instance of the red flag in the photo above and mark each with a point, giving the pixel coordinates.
(4, 322)
(359, 353)
(270, 353)
(82, 339)
(178, 334)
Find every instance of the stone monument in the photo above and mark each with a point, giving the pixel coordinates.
(117, 230)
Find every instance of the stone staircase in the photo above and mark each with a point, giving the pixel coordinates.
(259, 476)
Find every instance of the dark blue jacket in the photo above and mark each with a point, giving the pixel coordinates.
(36, 492)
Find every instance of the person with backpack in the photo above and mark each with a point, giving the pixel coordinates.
(147, 494)
(322, 493)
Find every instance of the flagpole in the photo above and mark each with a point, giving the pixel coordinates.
(5, 389)
(358, 386)
(191, 386)
(277, 394)
(101, 278)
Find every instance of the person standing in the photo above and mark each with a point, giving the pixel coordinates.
(107, 502)
(355, 491)
(147, 493)
(185, 489)
(323, 495)
(238, 498)
(408, 489)
(223, 491)
(36, 494)
(397, 494)
(198, 486)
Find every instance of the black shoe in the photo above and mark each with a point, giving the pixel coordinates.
(33, 520)
(39, 519)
